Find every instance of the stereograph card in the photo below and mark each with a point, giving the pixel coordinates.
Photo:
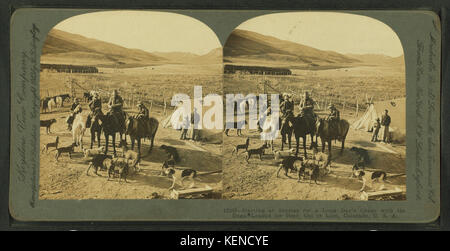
(222, 115)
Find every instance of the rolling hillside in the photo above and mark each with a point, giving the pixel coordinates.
(247, 45)
(251, 48)
(66, 48)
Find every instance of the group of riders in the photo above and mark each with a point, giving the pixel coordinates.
(306, 110)
(115, 105)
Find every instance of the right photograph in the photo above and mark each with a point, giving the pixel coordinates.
(330, 87)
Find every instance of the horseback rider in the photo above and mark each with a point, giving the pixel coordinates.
(143, 115)
(286, 109)
(115, 105)
(333, 116)
(95, 107)
(308, 105)
(76, 106)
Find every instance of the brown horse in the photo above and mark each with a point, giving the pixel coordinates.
(137, 130)
(110, 127)
(327, 132)
(286, 131)
(303, 125)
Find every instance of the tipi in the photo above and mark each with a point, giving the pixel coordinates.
(396, 110)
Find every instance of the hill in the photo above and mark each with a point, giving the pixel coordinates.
(379, 59)
(63, 47)
(244, 46)
(212, 57)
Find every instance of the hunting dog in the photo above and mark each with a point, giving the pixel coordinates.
(66, 149)
(47, 124)
(278, 154)
(309, 169)
(94, 151)
(243, 146)
(167, 164)
(119, 166)
(291, 163)
(99, 161)
(51, 144)
(370, 177)
(130, 154)
(258, 151)
(180, 176)
(172, 152)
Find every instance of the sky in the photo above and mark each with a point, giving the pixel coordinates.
(150, 31)
(339, 32)
(154, 31)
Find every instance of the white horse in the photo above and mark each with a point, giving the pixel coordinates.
(270, 130)
(78, 128)
(51, 104)
(59, 101)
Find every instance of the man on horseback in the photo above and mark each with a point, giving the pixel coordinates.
(307, 109)
(74, 106)
(115, 105)
(333, 116)
(143, 115)
(287, 110)
(95, 105)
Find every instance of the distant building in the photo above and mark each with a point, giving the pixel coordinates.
(259, 70)
(68, 68)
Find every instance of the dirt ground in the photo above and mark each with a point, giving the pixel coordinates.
(257, 180)
(67, 179)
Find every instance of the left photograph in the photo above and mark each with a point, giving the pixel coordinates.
(117, 116)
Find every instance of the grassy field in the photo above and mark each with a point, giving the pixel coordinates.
(338, 86)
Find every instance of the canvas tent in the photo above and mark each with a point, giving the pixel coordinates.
(396, 110)
(176, 120)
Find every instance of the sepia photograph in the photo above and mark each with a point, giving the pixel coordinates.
(117, 108)
(335, 90)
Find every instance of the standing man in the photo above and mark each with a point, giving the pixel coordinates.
(376, 129)
(386, 121)
(195, 120)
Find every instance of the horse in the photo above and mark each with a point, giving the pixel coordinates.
(286, 131)
(76, 123)
(59, 101)
(269, 131)
(303, 125)
(136, 130)
(51, 104)
(96, 130)
(110, 127)
(327, 133)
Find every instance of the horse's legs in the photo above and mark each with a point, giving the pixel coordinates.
(139, 148)
(92, 138)
(98, 138)
(114, 143)
(132, 142)
(289, 139)
(106, 143)
(297, 144)
(343, 142)
(329, 147)
(323, 144)
(304, 145)
(151, 143)
(283, 138)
